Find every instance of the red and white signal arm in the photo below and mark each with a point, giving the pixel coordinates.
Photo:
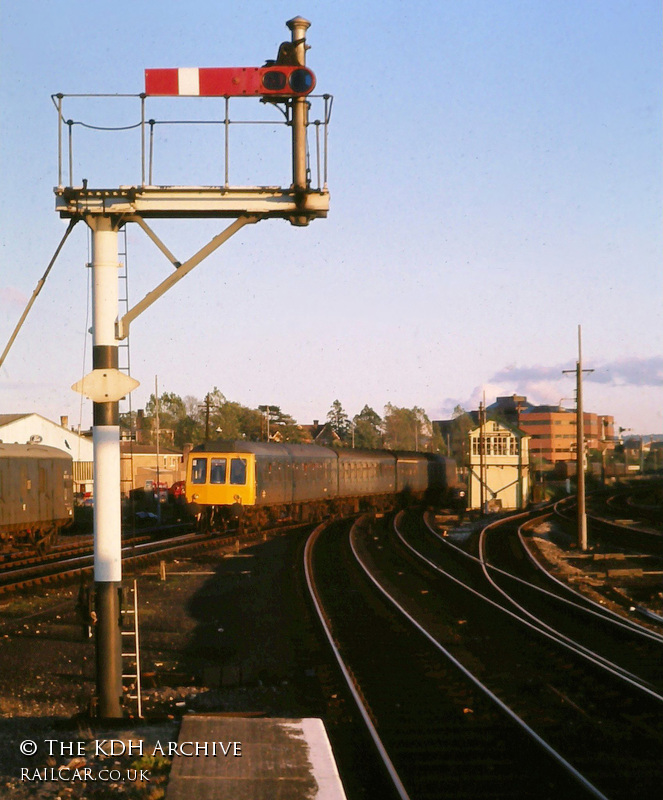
(282, 81)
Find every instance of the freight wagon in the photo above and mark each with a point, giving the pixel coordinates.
(36, 493)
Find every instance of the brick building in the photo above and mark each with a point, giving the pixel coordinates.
(552, 429)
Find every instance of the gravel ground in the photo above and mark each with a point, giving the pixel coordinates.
(225, 633)
(620, 581)
(217, 636)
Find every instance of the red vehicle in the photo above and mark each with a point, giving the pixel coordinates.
(176, 491)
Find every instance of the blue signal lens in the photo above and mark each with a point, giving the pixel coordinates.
(301, 81)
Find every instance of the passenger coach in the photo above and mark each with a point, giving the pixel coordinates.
(261, 483)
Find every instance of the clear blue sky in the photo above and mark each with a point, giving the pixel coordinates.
(495, 178)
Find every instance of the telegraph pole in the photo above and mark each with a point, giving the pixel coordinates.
(482, 456)
(266, 411)
(206, 407)
(580, 447)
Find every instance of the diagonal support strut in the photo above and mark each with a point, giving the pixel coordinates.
(122, 325)
(38, 289)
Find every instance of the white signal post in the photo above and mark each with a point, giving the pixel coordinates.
(106, 444)
(105, 211)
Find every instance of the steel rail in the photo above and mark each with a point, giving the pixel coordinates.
(326, 624)
(554, 637)
(152, 548)
(549, 631)
(648, 535)
(532, 734)
(592, 607)
(537, 626)
(72, 566)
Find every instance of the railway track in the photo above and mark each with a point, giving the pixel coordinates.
(81, 546)
(629, 534)
(639, 501)
(71, 565)
(619, 643)
(614, 729)
(440, 731)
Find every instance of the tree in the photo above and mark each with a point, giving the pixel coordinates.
(367, 429)
(171, 412)
(281, 425)
(338, 420)
(250, 423)
(437, 442)
(128, 424)
(461, 426)
(406, 428)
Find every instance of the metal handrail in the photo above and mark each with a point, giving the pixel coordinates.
(147, 140)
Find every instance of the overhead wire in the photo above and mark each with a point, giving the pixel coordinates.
(35, 294)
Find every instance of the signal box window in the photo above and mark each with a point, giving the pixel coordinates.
(217, 473)
(238, 471)
(199, 470)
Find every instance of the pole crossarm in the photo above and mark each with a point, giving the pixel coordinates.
(192, 202)
(122, 325)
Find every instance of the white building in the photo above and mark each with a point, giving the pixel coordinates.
(499, 460)
(27, 428)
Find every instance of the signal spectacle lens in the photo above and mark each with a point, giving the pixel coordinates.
(301, 81)
(274, 81)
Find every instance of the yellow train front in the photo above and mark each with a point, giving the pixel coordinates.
(229, 484)
(232, 484)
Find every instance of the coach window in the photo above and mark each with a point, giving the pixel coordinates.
(238, 471)
(217, 472)
(198, 470)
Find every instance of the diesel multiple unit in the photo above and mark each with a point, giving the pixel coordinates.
(264, 482)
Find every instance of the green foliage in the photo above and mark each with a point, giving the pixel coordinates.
(406, 428)
(191, 420)
(282, 427)
(458, 440)
(338, 420)
(368, 429)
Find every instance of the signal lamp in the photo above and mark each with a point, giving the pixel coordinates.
(274, 80)
(301, 81)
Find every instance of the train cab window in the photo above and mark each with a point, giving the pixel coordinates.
(217, 471)
(199, 470)
(238, 471)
